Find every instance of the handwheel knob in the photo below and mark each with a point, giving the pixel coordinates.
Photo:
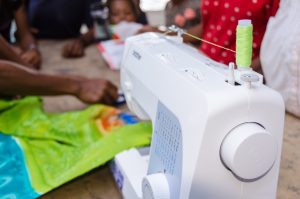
(156, 186)
(249, 151)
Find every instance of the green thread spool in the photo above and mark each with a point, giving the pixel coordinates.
(244, 38)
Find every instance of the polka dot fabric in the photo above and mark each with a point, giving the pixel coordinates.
(220, 18)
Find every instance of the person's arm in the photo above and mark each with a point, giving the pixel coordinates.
(256, 65)
(17, 80)
(7, 53)
(31, 54)
(196, 31)
(75, 48)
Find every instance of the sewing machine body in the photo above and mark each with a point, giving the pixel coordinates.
(198, 149)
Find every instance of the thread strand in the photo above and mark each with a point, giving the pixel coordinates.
(205, 41)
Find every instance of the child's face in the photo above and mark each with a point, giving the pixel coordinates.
(121, 11)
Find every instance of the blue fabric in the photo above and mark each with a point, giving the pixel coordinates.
(59, 19)
(128, 118)
(14, 179)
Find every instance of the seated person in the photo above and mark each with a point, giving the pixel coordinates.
(122, 10)
(123, 16)
(62, 19)
(219, 22)
(280, 54)
(218, 25)
(18, 80)
(142, 18)
(28, 53)
(182, 13)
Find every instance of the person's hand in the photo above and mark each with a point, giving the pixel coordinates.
(74, 48)
(97, 91)
(33, 58)
(147, 28)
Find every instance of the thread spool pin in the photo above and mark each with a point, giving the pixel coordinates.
(231, 79)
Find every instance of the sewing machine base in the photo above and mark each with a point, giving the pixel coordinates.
(128, 169)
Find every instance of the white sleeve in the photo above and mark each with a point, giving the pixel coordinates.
(280, 54)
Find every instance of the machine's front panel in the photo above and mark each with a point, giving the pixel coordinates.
(166, 152)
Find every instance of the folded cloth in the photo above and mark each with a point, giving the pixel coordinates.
(49, 150)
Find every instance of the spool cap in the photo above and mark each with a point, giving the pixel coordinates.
(245, 22)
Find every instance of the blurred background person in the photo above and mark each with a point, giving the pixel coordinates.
(62, 19)
(141, 16)
(219, 22)
(182, 13)
(122, 10)
(280, 54)
(27, 52)
(125, 18)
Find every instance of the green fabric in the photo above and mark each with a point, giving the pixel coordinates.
(60, 147)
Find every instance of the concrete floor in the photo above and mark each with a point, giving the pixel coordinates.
(98, 184)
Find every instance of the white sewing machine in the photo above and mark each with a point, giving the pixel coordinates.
(217, 132)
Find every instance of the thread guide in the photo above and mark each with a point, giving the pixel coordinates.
(243, 75)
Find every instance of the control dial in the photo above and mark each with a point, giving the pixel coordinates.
(249, 151)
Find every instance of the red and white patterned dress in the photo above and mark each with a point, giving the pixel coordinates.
(220, 18)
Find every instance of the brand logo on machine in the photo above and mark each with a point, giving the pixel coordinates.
(136, 55)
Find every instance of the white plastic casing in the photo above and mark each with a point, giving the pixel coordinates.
(194, 111)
